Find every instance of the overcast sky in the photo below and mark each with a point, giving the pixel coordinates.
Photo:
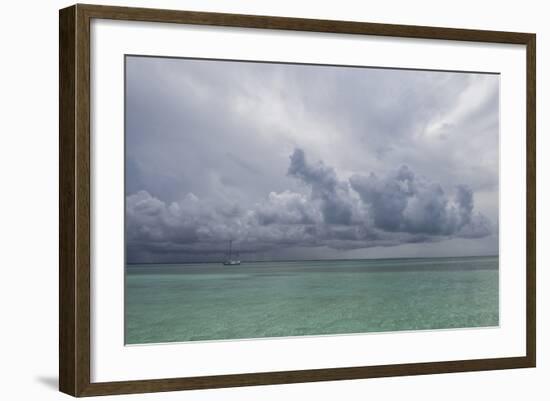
(308, 162)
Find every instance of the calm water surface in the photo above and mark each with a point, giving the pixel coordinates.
(166, 303)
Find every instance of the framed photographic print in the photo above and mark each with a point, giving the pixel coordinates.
(250, 200)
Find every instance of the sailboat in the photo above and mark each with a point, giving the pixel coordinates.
(230, 261)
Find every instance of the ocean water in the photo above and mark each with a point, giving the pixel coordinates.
(190, 302)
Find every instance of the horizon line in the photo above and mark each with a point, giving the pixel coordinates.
(309, 260)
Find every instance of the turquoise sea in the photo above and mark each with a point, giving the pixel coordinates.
(209, 301)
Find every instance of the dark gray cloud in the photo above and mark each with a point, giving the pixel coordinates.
(366, 212)
(298, 161)
(333, 195)
(403, 202)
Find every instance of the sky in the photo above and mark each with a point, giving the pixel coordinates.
(295, 161)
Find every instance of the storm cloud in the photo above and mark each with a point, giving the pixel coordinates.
(325, 187)
(364, 212)
(406, 203)
(301, 161)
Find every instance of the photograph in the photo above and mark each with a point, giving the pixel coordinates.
(269, 199)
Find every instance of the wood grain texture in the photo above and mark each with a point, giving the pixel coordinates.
(74, 199)
(82, 200)
(67, 289)
(531, 229)
(300, 376)
(301, 24)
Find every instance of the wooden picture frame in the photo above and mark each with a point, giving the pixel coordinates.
(74, 200)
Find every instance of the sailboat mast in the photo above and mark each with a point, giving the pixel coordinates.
(230, 261)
